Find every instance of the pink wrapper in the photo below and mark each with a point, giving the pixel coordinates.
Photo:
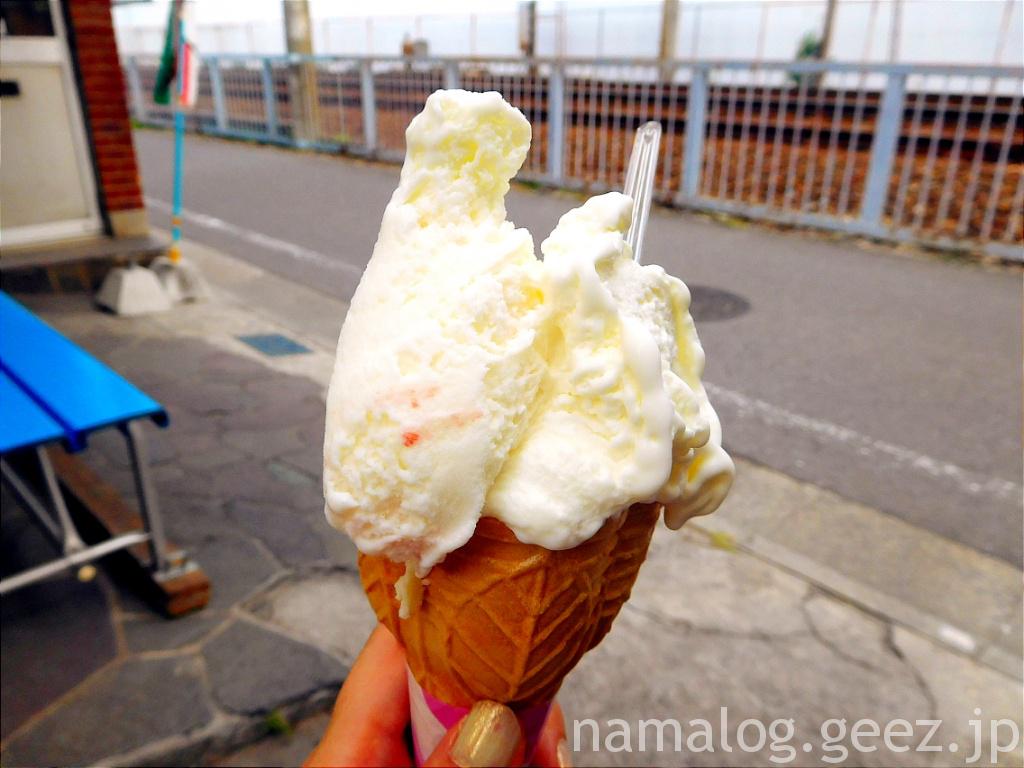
(431, 719)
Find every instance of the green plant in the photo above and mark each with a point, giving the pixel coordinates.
(278, 723)
(809, 47)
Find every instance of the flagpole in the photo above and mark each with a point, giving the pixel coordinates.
(179, 135)
(179, 279)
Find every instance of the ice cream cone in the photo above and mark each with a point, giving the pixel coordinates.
(506, 621)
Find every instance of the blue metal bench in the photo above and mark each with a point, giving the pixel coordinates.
(51, 390)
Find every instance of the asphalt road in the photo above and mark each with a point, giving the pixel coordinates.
(893, 380)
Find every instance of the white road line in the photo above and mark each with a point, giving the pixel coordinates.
(259, 239)
(966, 480)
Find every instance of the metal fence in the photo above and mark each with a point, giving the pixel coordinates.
(907, 153)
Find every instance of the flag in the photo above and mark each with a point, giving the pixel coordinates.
(185, 74)
(188, 88)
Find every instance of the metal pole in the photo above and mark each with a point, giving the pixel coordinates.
(826, 30)
(451, 74)
(1004, 30)
(369, 104)
(883, 151)
(815, 80)
(869, 37)
(148, 506)
(135, 86)
(174, 253)
(693, 153)
(270, 101)
(528, 28)
(895, 31)
(217, 87)
(561, 24)
(179, 173)
(556, 123)
(695, 41)
(667, 38)
(71, 542)
(29, 501)
(761, 28)
(303, 76)
(80, 557)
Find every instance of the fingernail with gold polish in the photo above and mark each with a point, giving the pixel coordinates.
(489, 736)
(564, 754)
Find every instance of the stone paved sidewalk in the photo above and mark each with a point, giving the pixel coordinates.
(238, 478)
(709, 625)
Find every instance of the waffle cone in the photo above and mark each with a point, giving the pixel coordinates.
(507, 621)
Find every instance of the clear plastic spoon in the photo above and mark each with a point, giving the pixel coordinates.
(643, 164)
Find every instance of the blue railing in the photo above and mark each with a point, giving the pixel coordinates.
(930, 154)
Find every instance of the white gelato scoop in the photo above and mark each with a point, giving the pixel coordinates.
(472, 379)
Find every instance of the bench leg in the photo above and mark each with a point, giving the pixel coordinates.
(72, 542)
(148, 504)
(29, 500)
(81, 557)
(63, 532)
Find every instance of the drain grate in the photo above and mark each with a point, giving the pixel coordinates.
(274, 344)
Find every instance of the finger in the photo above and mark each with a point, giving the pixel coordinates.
(552, 748)
(441, 756)
(489, 735)
(372, 710)
(376, 689)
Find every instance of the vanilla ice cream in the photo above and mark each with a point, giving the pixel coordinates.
(473, 379)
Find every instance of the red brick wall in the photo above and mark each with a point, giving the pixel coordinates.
(95, 50)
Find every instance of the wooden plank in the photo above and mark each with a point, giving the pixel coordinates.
(101, 512)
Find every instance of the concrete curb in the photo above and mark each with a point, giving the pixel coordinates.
(872, 600)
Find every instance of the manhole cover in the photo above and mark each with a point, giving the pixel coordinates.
(274, 344)
(709, 304)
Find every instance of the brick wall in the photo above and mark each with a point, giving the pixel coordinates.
(95, 50)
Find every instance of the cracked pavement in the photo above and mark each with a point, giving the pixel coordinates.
(708, 628)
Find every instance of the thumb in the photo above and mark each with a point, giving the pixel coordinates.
(488, 736)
